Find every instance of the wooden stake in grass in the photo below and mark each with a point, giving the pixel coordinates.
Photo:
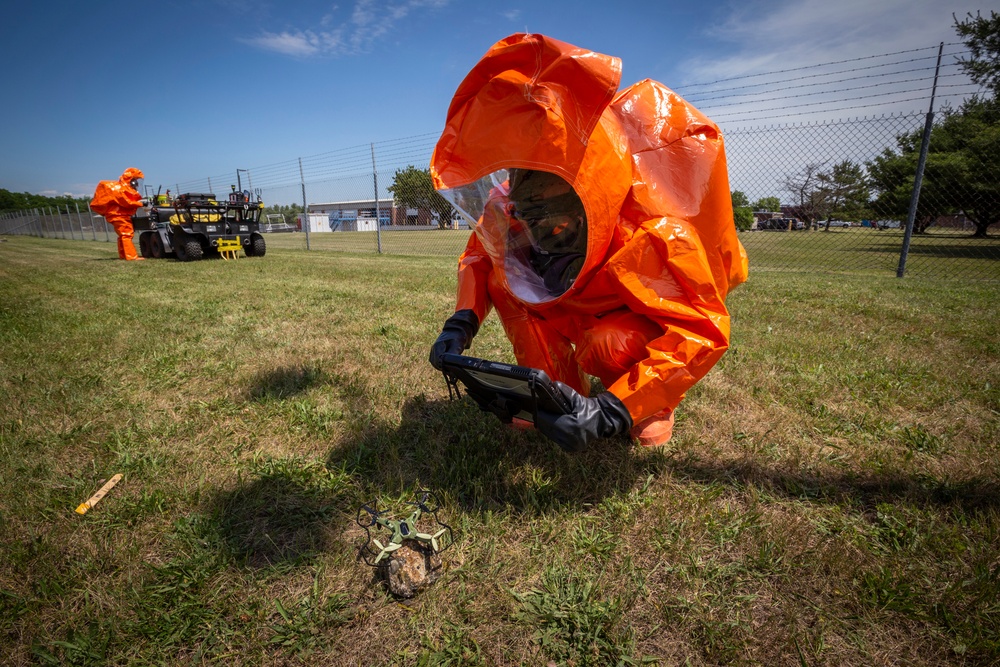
(94, 499)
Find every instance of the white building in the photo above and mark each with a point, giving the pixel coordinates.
(361, 215)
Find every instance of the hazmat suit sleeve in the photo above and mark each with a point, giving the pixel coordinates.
(474, 267)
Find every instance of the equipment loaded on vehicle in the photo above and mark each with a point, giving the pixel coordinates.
(195, 224)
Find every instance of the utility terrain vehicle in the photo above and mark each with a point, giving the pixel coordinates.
(195, 224)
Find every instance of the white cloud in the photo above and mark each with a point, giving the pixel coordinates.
(298, 43)
(80, 192)
(769, 35)
(369, 20)
(766, 37)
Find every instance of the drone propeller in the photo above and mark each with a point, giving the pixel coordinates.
(373, 515)
(384, 550)
(435, 536)
(422, 502)
(401, 529)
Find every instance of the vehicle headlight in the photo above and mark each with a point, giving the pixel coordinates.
(211, 228)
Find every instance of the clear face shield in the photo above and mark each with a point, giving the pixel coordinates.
(532, 224)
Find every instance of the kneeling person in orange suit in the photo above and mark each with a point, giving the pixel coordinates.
(603, 233)
(118, 201)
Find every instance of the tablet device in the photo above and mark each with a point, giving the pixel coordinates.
(505, 390)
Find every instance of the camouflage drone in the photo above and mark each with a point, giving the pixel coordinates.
(373, 552)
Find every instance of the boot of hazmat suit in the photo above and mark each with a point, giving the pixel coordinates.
(604, 233)
(118, 201)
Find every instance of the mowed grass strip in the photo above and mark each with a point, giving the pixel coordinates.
(938, 253)
(830, 496)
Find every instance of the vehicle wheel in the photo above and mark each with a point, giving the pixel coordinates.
(189, 251)
(144, 248)
(257, 246)
(156, 246)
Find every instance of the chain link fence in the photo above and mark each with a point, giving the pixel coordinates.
(844, 192)
(820, 197)
(58, 222)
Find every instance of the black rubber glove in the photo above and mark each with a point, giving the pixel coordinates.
(456, 336)
(602, 416)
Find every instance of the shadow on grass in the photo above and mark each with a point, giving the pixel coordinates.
(285, 381)
(481, 464)
(865, 491)
(286, 515)
(967, 248)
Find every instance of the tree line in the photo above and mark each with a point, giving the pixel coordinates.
(17, 201)
(962, 170)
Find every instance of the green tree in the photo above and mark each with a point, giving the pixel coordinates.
(962, 173)
(413, 188)
(804, 186)
(982, 37)
(742, 213)
(767, 204)
(843, 192)
(16, 201)
(290, 212)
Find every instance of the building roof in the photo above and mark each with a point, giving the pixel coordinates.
(357, 203)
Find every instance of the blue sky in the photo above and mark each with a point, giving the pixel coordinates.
(187, 89)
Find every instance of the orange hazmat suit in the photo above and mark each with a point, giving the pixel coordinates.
(622, 196)
(118, 201)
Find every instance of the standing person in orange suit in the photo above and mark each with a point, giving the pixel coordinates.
(118, 201)
(604, 233)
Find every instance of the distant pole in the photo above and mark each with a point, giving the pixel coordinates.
(378, 213)
(79, 216)
(305, 209)
(69, 220)
(918, 179)
(65, 224)
(107, 239)
(210, 184)
(62, 225)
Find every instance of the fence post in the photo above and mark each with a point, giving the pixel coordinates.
(69, 219)
(93, 230)
(918, 179)
(69, 223)
(378, 213)
(305, 208)
(91, 211)
(62, 227)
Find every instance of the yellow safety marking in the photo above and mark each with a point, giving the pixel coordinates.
(229, 249)
(94, 499)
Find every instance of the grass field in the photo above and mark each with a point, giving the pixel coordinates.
(936, 254)
(830, 496)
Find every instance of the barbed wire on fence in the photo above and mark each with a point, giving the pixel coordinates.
(833, 213)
